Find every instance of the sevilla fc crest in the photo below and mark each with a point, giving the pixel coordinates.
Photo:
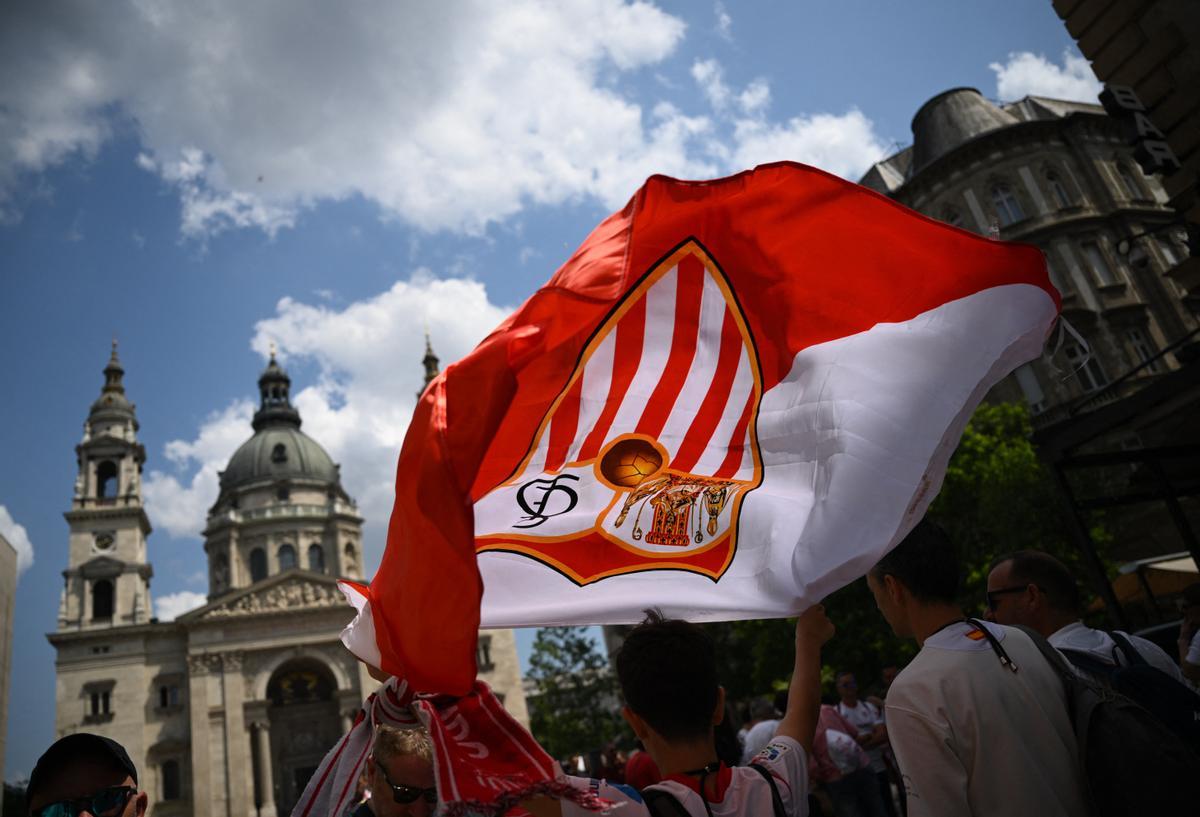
(644, 458)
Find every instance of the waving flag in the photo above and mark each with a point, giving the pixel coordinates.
(733, 399)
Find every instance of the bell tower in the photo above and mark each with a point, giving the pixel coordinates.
(108, 574)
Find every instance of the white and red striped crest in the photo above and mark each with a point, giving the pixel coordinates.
(644, 458)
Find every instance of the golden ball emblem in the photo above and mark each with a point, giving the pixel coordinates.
(629, 463)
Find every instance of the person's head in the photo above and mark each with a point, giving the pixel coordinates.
(400, 768)
(1033, 589)
(668, 674)
(84, 775)
(1191, 603)
(761, 710)
(921, 571)
(888, 675)
(847, 687)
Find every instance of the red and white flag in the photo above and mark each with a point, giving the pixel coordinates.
(732, 400)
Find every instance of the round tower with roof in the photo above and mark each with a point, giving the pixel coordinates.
(107, 580)
(281, 504)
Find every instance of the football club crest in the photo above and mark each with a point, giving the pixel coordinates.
(643, 460)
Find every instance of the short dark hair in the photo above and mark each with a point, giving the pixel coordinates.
(1051, 576)
(668, 674)
(926, 562)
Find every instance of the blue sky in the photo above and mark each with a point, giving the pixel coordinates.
(201, 180)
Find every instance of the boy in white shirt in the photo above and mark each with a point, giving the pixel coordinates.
(668, 675)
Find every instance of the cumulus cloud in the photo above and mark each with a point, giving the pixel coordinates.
(18, 538)
(178, 501)
(368, 360)
(844, 144)
(448, 115)
(1028, 74)
(173, 605)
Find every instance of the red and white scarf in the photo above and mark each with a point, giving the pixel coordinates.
(484, 761)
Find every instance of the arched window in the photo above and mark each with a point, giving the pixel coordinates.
(316, 559)
(106, 480)
(349, 563)
(102, 599)
(287, 557)
(1008, 209)
(1058, 190)
(258, 565)
(279, 453)
(170, 780)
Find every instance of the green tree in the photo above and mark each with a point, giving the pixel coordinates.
(997, 497)
(576, 707)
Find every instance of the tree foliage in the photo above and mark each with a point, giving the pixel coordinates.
(997, 497)
(575, 708)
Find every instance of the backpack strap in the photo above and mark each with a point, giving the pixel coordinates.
(1132, 657)
(995, 642)
(663, 804)
(776, 800)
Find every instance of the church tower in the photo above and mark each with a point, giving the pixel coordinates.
(430, 362)
(108, 574)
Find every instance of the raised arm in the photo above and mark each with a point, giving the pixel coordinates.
(813, 629)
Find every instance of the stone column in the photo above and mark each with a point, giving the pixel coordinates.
(237, 759)
(198, 717)
(266, 779)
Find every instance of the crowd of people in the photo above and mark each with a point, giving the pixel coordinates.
(980, 722)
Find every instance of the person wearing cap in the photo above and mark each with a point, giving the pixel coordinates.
(85, 774)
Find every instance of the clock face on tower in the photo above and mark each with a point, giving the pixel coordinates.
(104, 541)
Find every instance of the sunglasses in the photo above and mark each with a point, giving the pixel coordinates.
(405, 794)
(106, 803)
(993, 602)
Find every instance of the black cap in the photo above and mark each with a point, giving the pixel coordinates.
(80, 746)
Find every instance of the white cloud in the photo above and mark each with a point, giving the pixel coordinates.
(178, 502)
(368, 357)
(173, 605)
(710, 77)
(724, 22)
(448, 115)
(1028, 74)
(18, 537)
(845, 144)
(369, 360)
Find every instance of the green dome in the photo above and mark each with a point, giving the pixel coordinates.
(278, 452)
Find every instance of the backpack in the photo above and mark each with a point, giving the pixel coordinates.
(1132, 763)
(1161, 695)
(662, 803)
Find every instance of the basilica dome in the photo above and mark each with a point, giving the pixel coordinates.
(279, 450)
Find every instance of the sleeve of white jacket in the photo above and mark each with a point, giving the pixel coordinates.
(934, 777)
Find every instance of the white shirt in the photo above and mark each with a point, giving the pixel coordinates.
(972, 737)
(757, 738)
(865, 717)
(1080, 637)
(748, 794)
(1193, 653)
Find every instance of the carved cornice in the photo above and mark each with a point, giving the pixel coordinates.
(294, 595)
(204, 663)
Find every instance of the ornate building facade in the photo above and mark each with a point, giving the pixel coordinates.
(1060, 175)
(229, 709)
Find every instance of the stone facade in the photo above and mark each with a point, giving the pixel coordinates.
(229, 709)
(1060, 175)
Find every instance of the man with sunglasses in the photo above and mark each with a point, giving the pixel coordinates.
(85, 775)
(1037, 591)
(400, 771)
